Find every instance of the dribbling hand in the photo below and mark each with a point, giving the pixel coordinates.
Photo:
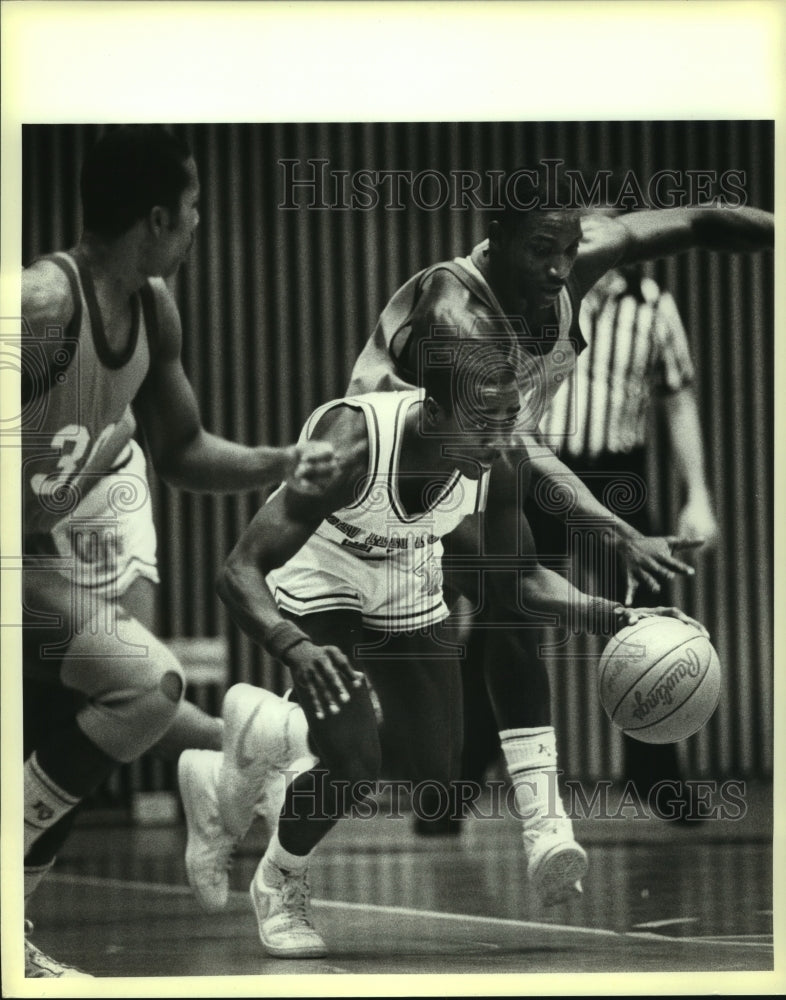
(325, 675)
(629, 616)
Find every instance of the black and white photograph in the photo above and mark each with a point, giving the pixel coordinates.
(389, 526)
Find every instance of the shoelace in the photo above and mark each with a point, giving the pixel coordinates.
(548, 827)
(296, 893)
(231, 857)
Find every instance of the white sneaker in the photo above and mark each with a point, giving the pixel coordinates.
(556, 863)
(257, 748)
(209, 845)
(282, 906)
(41, 966)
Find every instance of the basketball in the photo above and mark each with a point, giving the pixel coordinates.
(659, 680)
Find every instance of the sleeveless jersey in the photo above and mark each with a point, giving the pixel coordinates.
(372, 555)
(543, 359)
(83, 421)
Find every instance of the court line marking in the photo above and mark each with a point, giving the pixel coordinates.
(671, 920)
(747, 937)
(724, 941)
(470, 918)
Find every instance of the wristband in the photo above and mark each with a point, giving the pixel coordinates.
(283, 637)
(600, 615)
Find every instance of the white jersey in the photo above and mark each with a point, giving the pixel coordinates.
(372, 555)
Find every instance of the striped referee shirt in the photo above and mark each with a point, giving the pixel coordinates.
(637, 347)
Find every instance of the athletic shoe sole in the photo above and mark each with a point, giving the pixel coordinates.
(559, 873)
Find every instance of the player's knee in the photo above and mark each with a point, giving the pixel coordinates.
(131, 699)
(127, 723)
(361, 762)
(430, 767)
(173, 686)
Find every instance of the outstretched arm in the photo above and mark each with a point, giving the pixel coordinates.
(647, 560)
(188, 456)
(541, 590)
(696, 519)
(609, 242)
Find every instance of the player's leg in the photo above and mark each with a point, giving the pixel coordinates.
(123, 567)
(267, 740)
(98, 691)
(348, 748)
(120, 684)
(520, 695)
(192, 727)
(418, 684)
(46, 708)
(481, 746)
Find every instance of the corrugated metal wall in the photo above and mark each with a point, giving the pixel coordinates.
(276, 304)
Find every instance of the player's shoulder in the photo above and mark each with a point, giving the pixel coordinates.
(46, 294)
(446, 299)
(442, 279)
(159, 291)
(344, 425)
(342, 422)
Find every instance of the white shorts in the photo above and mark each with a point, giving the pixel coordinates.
(398, 593)
(109, 539)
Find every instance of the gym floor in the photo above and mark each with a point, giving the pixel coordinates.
(681, 899)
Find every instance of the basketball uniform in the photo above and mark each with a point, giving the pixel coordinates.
(109, 540)
(372, 556)
(83, 422)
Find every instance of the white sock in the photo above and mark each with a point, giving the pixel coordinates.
(34, 875)
(531, 758)
(279, 862)
(45, 802)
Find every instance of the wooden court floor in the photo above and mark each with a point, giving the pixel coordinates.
(683, 902)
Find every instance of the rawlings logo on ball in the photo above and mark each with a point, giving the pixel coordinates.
(662, 694)
(659, 680)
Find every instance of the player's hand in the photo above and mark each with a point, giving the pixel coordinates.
(650, 561)
(325, 674)
(313, 467)
(696, 521)
(629, 616)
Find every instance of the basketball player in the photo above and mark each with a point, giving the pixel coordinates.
(103, 333)
(523, 287)
(331, 585)
(637, 355)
